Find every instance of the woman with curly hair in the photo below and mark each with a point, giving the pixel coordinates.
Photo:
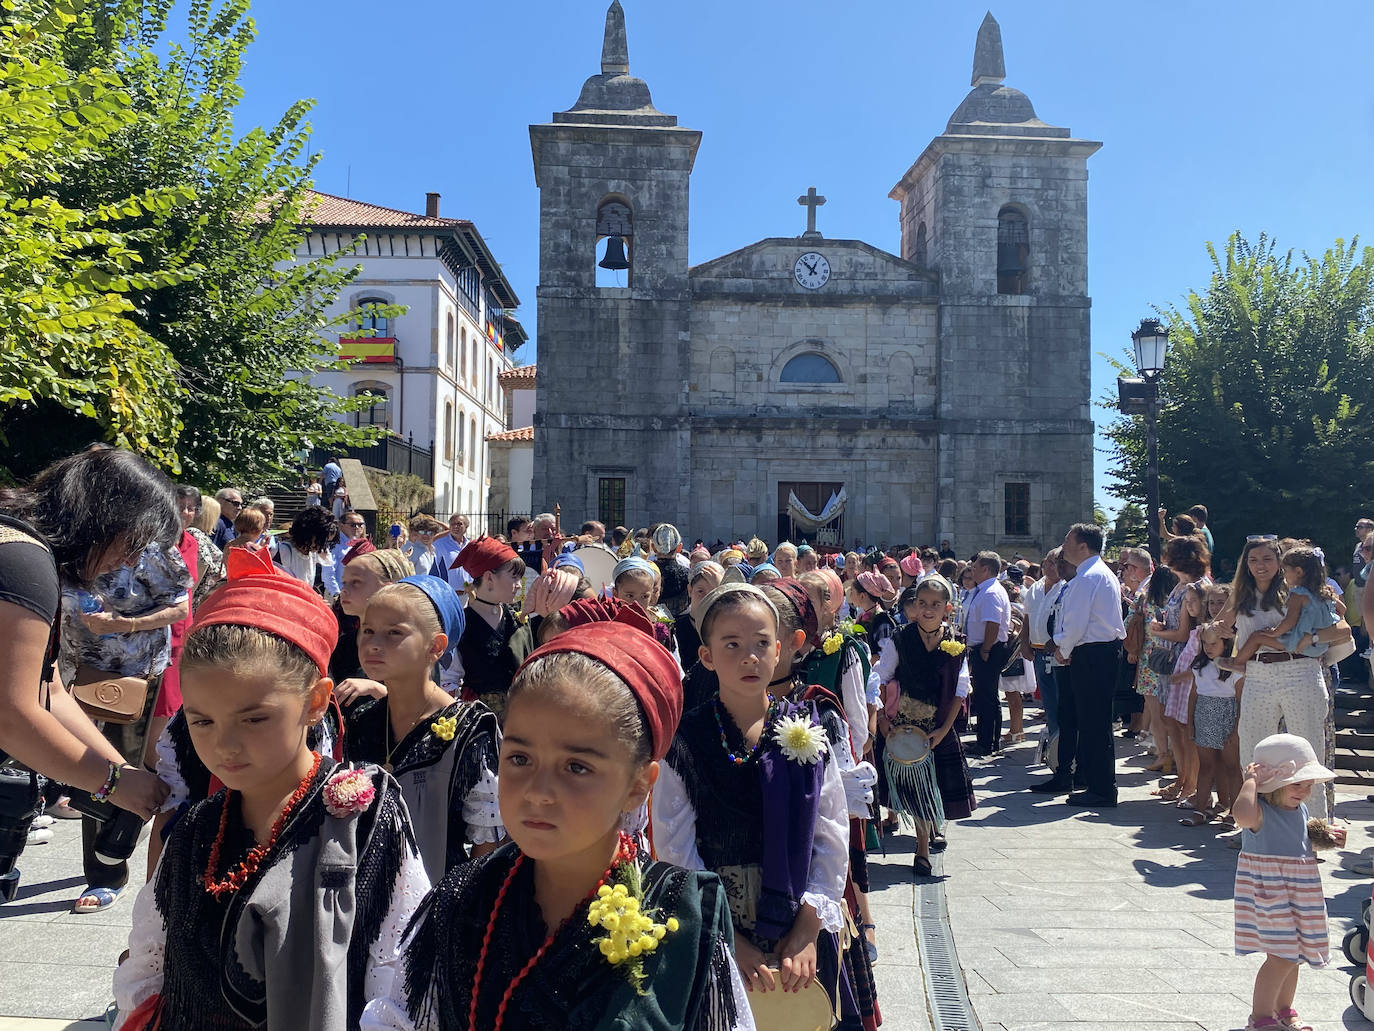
(304, 548)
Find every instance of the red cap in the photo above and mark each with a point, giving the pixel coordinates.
(255, 593)
(361, 548)
(645, 665)
(483, 555)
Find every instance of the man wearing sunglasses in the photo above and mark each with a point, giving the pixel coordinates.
(230, 505)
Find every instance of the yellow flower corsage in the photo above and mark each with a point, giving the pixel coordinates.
(630, 933)
(832, 644)
(445, 727)
(952, 647)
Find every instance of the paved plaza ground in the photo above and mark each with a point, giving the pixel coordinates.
(1063, 919)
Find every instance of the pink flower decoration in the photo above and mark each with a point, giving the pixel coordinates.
(348, 791)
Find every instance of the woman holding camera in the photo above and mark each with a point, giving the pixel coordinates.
(82, 517)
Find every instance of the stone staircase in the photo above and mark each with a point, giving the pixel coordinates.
(1355, 734)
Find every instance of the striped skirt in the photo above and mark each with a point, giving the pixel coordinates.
(1281, 909)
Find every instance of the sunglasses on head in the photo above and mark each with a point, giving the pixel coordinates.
(1261, 537)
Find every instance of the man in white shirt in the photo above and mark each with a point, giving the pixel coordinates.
(446, 551)
(1087, 640)
(352, 529)
(987, 625)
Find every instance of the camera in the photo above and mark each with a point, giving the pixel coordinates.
(19, 800)
(119, 829)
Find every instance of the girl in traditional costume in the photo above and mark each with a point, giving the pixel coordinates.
(751, 791)
(570, 925)
(488, 661)
(443, 752)
(273, 895)
(799, 630)
(920, 673)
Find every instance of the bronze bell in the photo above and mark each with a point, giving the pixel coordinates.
(615, 255)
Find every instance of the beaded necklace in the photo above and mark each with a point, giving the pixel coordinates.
(624, 852)
(737, 760)
(235, 879)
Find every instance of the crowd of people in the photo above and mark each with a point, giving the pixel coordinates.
(530, 780)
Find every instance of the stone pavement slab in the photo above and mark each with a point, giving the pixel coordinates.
(1120, 919)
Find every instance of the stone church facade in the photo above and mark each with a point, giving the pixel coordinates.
(945, 389)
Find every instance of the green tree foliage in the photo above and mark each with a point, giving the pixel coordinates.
(243, 333)
(399, 496)
(1129, 530)
(72, 340)
(1269, 399)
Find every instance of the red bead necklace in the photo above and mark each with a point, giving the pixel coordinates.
(235, 879)
(625, 852)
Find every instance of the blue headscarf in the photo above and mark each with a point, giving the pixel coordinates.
(626, 564)
(446, 604)
(762, 566)
(567, 559)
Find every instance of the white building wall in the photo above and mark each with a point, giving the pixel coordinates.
(521, 477)
(522, 408)
(429, 376)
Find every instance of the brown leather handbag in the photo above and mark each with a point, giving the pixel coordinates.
(109, 697)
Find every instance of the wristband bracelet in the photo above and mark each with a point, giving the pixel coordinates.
(111, 782)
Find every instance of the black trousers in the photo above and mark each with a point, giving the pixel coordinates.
(1092, 683)
(987, 695)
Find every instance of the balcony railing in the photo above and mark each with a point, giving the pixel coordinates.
(391, 454)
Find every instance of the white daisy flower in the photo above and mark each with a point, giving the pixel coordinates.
(800, 739)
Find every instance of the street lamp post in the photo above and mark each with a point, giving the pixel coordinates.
(1151, 342)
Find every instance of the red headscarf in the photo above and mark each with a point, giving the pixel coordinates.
(645, 665)
(255, 593)
(605, 610)
(483, 555)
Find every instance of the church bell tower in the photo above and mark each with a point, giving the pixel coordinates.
(611, 433)
(997, 205)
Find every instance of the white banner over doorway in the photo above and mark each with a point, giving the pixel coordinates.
(811, 522)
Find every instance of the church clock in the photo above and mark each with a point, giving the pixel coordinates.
(812, 270)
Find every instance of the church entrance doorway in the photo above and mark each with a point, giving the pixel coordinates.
(814, 499)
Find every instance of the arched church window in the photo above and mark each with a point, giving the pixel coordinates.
(614, 243)
(809, 368)
(1013, 251)
(921, 246)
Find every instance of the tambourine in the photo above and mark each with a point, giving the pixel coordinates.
(908, 745)
(807, 1010)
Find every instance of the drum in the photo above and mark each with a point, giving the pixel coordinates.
(908, 746)
(599, 562)
(806, 1010)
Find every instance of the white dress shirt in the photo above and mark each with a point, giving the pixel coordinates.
(1090, 608)
(988, 603)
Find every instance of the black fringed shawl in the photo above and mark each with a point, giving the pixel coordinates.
(205, 982)
(687, 979)
(435, 775)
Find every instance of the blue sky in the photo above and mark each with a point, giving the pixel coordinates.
(1255, 116)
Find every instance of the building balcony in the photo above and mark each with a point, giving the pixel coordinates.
(367, 350)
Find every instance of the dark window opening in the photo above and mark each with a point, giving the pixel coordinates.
(610, 500)
(1016, 509)
(1013, 252)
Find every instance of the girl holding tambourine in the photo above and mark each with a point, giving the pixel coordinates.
(927, 776)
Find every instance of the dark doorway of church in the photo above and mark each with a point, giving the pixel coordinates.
(813, 497)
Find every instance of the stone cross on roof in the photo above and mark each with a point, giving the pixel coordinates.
(811, 202)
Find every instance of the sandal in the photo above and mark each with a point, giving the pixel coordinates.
(62, 811)
(921, 867)
(1265, 1024)
(870, 946)
(104, 897)
(1288, 1019)
(1195, 818)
